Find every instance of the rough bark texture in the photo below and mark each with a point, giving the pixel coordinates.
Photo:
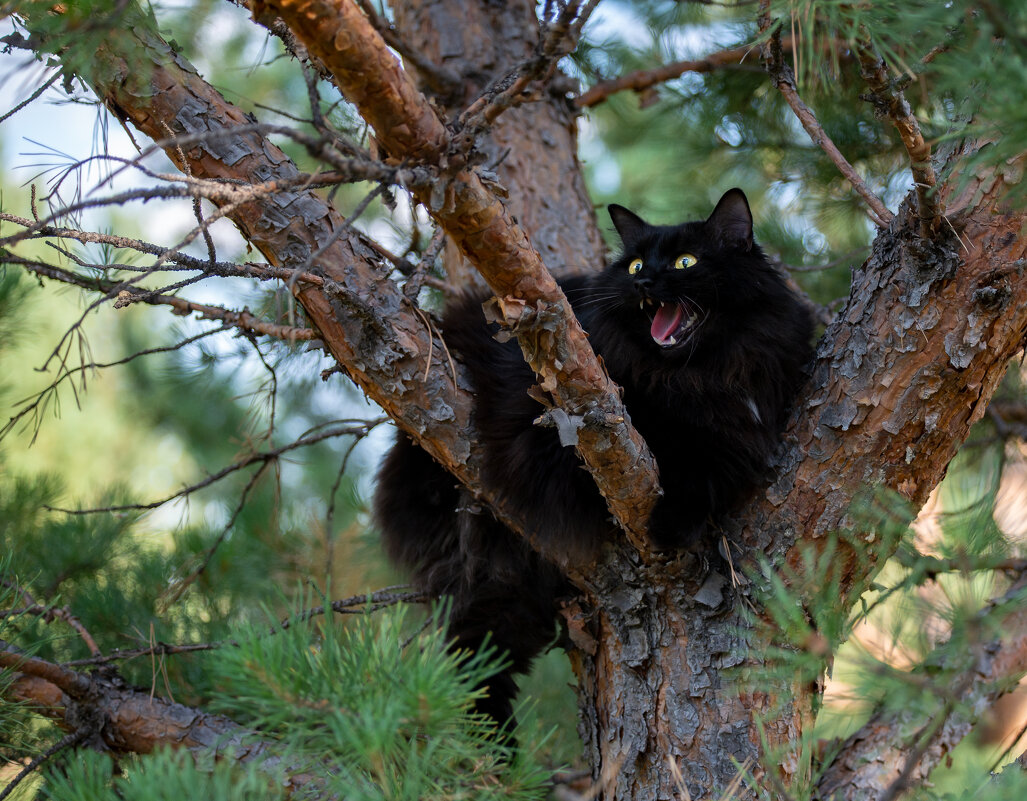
(533, 148)
(530, 303)
(901, 375)
(904, 371)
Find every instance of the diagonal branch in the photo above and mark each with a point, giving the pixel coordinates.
(364, 320)
(441, 80)
(784, 79)
(906, 368)
(530, 303)
(890, 101)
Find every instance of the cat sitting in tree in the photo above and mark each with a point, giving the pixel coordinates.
(707, 342)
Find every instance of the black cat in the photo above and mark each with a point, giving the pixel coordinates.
(708, 344)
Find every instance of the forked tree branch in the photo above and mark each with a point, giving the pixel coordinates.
(531, 304)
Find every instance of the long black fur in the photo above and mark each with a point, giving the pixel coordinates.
(711, 408)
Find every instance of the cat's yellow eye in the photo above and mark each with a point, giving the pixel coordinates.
(634, 267)
(684, 260)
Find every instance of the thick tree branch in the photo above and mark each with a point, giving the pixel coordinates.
(441, 80)
(363, 318)
(530, 302)
(124, 720)
(907, 367)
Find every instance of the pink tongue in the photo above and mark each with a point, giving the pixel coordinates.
(666, 321)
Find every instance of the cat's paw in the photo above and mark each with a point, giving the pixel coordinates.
(670, 528)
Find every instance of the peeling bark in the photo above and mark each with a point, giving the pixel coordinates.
(531, 303)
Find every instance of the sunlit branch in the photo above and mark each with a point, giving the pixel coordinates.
(784, 79)
(889, 100)
(127, 720)
(437, 77)
(407, 126)
(261, 457)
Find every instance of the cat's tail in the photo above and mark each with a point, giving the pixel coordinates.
(502, 593)
(518, 620)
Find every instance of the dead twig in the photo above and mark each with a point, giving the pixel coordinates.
(889, 101)
(784, 79)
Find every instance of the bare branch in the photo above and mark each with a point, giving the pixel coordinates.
(126, 295)
(261, 457)
(889, 100)
(359, 311)
(65, 742)
(644, 79)
(783, 77)
(34, 96)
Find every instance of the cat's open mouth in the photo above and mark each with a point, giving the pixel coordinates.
(671, 322)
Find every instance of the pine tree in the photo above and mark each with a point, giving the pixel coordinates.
(878, 141)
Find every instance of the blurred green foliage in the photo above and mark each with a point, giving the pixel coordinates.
(391, 709)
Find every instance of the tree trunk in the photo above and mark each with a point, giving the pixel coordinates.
(672, 667)
(535, 146)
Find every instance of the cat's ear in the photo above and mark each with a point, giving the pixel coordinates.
(629, 225)
(731, 221)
